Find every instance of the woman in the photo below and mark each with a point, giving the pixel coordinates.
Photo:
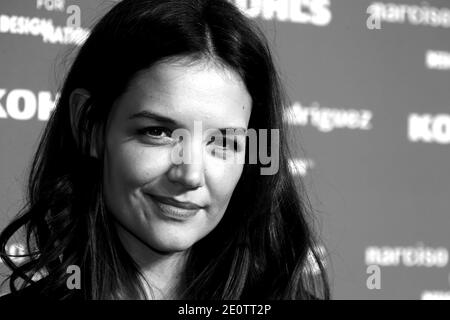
(107, 196)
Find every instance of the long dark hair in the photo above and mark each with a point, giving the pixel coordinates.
(264, 247)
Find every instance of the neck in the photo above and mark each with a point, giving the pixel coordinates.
(162, 271)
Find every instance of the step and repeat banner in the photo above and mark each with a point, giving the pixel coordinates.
(369, 89)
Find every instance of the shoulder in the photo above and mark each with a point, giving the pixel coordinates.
(32, 291)
(36, 291)
(28, 292)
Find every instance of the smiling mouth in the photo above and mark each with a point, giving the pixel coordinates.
(171, 208)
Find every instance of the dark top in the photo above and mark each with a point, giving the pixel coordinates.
(35, 292)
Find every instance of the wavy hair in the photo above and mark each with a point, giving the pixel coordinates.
(264, 247)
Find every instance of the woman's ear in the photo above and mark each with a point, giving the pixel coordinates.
(77, 99)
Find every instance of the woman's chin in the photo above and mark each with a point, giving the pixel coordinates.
(172, 245)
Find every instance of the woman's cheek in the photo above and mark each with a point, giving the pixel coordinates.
(223, 178)
(141, 164)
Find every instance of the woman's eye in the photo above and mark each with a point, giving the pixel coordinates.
(155, 133)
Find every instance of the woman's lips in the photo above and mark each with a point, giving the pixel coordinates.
(175, 209)
(176, 203)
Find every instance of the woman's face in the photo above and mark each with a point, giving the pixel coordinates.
(166, 204)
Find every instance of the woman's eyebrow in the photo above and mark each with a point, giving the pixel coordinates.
(153, 116)
(145, 114)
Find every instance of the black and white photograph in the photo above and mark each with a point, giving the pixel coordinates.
(224, 151)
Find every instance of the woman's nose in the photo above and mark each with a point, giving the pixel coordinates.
(189, 170)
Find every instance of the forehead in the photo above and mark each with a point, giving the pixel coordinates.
(203, 92)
